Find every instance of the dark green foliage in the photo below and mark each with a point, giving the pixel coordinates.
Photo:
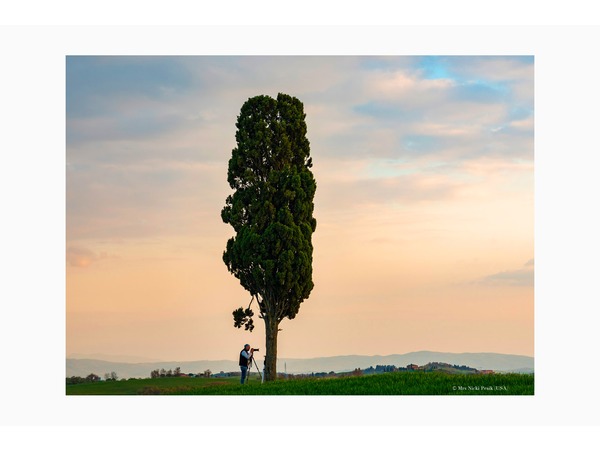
(91, 378)
(243, 317)
(271, 212)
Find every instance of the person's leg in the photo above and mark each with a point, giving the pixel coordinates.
(244, 370)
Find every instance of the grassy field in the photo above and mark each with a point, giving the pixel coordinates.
(399, 383)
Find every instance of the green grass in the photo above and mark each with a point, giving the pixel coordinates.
(399, 383)
(149, 386)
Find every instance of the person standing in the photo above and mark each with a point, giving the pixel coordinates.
(245, 356)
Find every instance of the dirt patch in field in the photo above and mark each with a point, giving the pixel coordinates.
(150, 390)
(155, 390)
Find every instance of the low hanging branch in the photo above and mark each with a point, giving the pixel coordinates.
(243, 317)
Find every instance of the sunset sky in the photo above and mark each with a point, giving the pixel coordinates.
(424, 204)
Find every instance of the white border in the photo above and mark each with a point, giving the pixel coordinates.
(566, 297)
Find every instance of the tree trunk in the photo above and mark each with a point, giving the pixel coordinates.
(271, 329)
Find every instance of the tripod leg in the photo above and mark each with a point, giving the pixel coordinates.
(258, 370)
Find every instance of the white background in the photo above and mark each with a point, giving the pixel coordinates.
(35, 410)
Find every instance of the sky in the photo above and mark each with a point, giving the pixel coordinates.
(424, 204)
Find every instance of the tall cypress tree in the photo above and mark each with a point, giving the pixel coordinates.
(271, 212)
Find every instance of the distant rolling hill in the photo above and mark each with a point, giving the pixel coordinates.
(492, 361)
(113, 358)
(498, 362)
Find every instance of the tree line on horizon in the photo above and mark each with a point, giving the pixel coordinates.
(162, 373)
(92, 378)
(378, 369)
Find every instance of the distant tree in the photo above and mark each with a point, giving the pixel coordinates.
(271, 212)
(169, 373)
(163, 373)
(177, 372)
(92, 377)
(155, 374)
(114, 376)
(75, 380)
(207, 373)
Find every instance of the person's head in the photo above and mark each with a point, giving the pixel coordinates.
(247, 347)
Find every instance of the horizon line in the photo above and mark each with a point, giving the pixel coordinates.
(152, 361)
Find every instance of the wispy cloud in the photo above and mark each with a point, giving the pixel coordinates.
(520, 277)
(146, 135)
(83, 257)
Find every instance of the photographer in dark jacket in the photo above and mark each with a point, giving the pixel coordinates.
(245, 356)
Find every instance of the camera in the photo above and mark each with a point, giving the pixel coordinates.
(255, 349)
